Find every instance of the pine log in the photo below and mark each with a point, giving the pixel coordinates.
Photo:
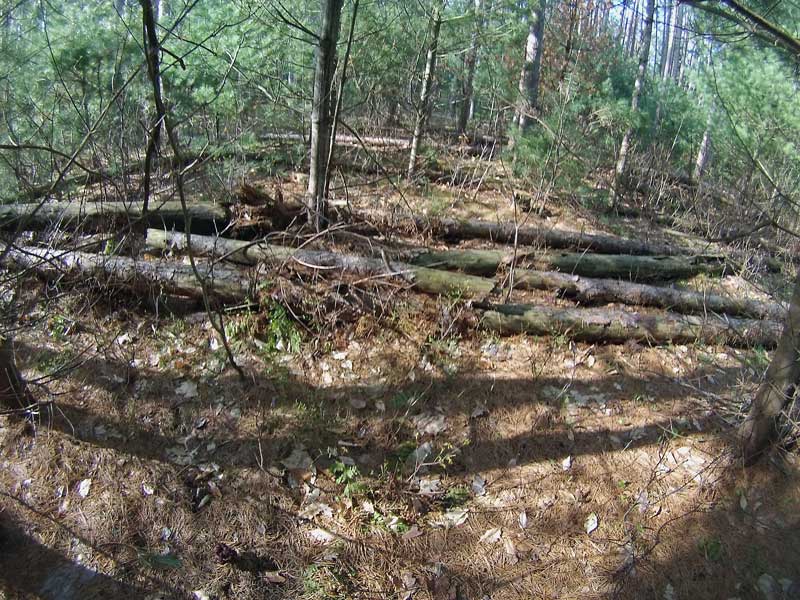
(617, 326)
(600, 291)
(526, 235)
(621, 266)
(74, 214)
(221, 282)
(432, 281)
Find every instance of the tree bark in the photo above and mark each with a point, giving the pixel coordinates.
(14, 393)
(531, 235)
(616, 326)
(621, 168)
(590, 291)
(322, 110)
(531, 67)
(780, 387)
(432, 281)
(424, 108)
(470, 61)
(668, 42)
(102, 214)
(629, 268)
(704, 151)
(156, 277)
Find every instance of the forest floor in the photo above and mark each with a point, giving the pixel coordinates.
(405, 454)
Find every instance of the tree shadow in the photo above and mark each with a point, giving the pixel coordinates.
(692, 566)
(28, 568)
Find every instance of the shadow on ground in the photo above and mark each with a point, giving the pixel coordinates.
(704, 562)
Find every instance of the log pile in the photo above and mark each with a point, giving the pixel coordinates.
(598, 271)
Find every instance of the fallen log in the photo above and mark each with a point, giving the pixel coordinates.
(41, 215)
(506, 233)
(221, 282)
(601, 291)
(432, 281)
(621, 266)
(617, 326)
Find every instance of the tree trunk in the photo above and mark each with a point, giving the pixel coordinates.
(374, 222)
(702, 155)
(322, 110)
(621, 168)
(531, 67)
(780, 386)
(616, 326)
(633, 28)
(154, 277)
(432, 281)
(669, 41)
(470, 61)
(104, 214)
(630, 268)
(14, 393)
(602, 291)
(424, 108)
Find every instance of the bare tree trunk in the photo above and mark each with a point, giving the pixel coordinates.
(778, 389)
(469, 68)
(677, 44)
(632, 29)
(424, 108)
(14, 394)
(669, 41)
(531, 68)
(703, 154)
(339, 95)
(622, 161)
(322, 110)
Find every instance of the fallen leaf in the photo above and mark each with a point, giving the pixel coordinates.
(409, 581)
(368, 507)
(491, 536)
(298, 459)
(509, 547)
(523, 520)
(83, 487)
(591, 523)
(429, 486)
(418, 456)
(321, 536)
(274, 577)
(453, 518)
(314, 509)
(566, 464)
(431, 424)
(187, 389)
(412, 533)
(147, 489)
(478, 485)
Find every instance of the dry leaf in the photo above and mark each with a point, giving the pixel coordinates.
(566, 464)
(591, 523)
(478, 485)
(453, 518)
(322, 536)
(412, 533)
(187, 389)
(523, 520)
(274, 577)
(491, 536)
(83, 488)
